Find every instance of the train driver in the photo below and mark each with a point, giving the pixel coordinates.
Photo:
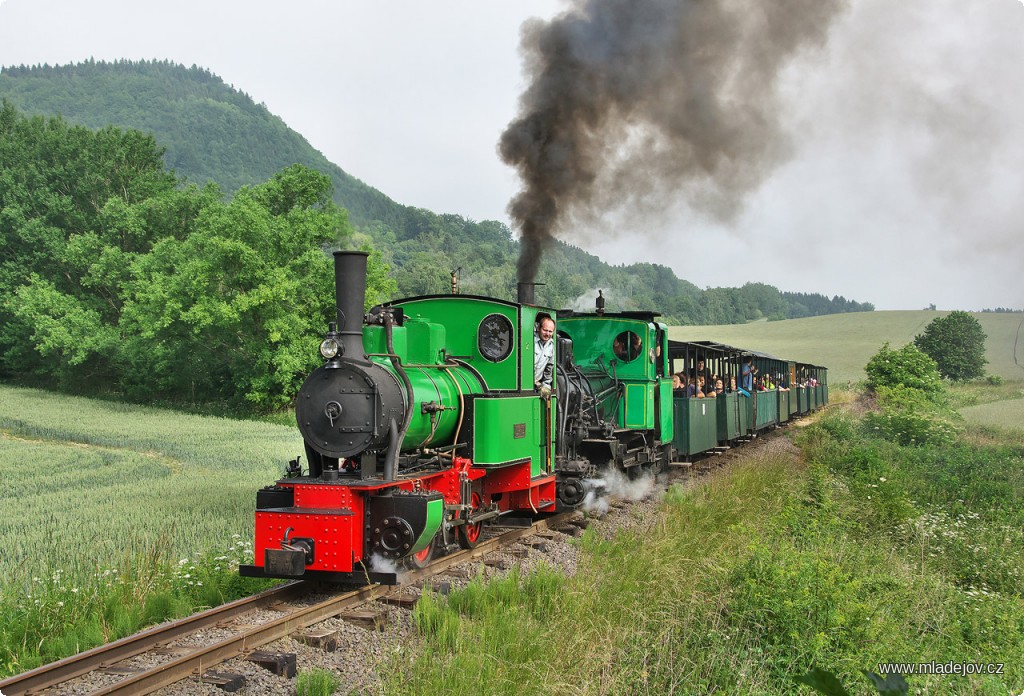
(544, 356)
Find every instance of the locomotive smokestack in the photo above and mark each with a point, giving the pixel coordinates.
(350, 297)
(526, 293)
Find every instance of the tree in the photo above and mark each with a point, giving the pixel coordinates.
(235, 311)
(956, 343)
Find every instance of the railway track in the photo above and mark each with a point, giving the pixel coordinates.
(170, 658)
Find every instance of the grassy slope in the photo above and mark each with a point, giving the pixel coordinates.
(845, 342)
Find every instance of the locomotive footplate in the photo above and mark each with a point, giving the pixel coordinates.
(356, 577)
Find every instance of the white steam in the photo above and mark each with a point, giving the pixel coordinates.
(380, 564)
(614, 483)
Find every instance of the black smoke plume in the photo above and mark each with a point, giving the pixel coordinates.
(638, 103)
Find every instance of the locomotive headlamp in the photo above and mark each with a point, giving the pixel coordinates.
(330, 348)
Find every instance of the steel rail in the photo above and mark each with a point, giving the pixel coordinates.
(89, 660)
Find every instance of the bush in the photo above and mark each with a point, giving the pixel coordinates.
(910, 417)
(908, 367)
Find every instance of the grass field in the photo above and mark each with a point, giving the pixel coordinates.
(844, 342)
(1001, 414)
(88, 482)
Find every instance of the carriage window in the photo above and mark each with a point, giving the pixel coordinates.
(627, 346)
(494, 337)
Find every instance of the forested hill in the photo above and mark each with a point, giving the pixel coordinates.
(214, 132)
(211, 131)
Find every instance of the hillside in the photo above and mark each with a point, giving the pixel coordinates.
(844, 343)
(214, 132)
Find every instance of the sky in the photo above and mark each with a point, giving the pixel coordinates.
(901, 181)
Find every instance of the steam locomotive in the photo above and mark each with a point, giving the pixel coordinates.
(422, 425)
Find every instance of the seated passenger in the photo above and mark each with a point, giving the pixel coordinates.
(678, 383)
(692, 390)
(719, 388)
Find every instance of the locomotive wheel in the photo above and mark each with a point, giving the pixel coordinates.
(469, 534)
(418, 561)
